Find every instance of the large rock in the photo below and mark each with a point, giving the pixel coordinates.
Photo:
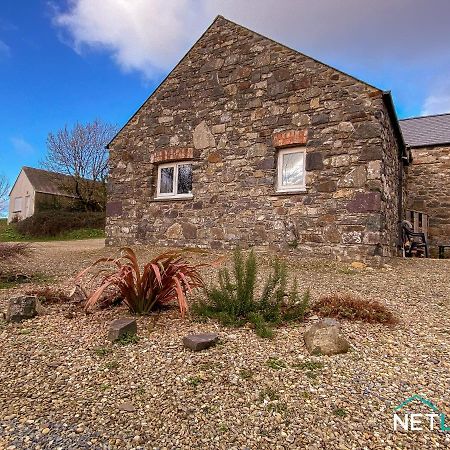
(21, 308)
(323, 338)
(197, 342)
(121, 327)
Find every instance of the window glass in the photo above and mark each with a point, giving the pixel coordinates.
(18, 204)
(184, 179)
(166, 181)
(292, 171)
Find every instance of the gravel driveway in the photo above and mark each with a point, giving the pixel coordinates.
(62, 385)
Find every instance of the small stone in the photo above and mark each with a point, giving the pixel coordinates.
(45, 431)
(69, 314)
(197, 342)
(358, 265)
(41, 310)
(120, 327)
(127, 407)
(77, 294)
(54, 364)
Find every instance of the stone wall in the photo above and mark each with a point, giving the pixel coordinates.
(429, 189)
(229, 105)
(389, 175)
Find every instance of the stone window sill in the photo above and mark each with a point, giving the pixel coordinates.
(172, 199)
(296, 192)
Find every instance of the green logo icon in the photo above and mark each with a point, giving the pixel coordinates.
(415, 421)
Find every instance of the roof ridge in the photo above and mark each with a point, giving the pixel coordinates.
(45, 170)
(424, 117)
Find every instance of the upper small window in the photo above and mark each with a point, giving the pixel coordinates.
(291, 170)
(174, 180)
(17, 204)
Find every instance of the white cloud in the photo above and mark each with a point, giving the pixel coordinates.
(436, 105)
(5, 51)
(143, 35)
(21, 146)
(438, 101)
(150, 36)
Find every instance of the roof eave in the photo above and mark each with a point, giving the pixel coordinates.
(389, 102)
(429, 145)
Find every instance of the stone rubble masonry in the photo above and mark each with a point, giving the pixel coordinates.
(235, 99)
(429, 190)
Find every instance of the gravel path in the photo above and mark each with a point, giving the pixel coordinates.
(62, 385)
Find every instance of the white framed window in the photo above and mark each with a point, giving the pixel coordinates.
(174, 180)
(291, 169)
(18, 204)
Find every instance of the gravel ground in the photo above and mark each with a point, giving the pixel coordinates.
(62, 385)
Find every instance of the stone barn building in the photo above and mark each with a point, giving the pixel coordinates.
(429, 174)
(248, 142)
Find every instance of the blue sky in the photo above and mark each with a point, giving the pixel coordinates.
(77, 60)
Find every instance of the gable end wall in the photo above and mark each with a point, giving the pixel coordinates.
(228, 100)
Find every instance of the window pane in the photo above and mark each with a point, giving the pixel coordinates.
(166, 181)
(18, 204)
(184, 179)
(292, 169)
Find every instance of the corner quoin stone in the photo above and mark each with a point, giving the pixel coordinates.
(197, 342)
(120, 327)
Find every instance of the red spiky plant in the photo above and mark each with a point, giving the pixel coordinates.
(167, 277)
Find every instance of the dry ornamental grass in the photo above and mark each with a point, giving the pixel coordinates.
(353, 308)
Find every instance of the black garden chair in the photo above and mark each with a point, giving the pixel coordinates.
(413, 243)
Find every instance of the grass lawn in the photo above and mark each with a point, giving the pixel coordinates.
(8, 283)
(9, 234)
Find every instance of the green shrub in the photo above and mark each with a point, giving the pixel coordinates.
(53, 223)
(233, 300)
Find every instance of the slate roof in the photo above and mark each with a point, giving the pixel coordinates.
(426, 131)
(49, 182)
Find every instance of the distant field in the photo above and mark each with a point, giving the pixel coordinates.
(9, 234)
